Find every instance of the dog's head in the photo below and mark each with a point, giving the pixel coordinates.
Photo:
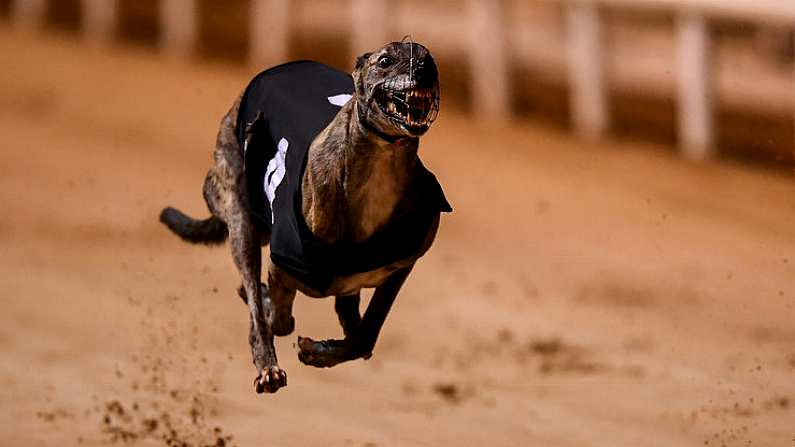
(397, 89)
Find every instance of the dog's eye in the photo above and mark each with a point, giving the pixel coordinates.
(385, 61)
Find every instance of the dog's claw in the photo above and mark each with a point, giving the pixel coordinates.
(270, 380)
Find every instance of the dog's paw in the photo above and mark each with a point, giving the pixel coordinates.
(270, 380)
(327, 353)
(320, 354)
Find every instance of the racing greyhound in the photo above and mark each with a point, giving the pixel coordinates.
(323, 167)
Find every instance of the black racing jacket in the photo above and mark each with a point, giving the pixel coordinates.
(281, 112)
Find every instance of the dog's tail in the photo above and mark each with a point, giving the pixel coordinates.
(208, 231)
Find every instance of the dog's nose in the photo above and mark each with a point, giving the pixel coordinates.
(425, 72)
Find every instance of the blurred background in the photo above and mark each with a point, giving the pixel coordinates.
(712, 76)
(619, 269)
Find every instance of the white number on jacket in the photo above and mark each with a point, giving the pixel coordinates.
(275, 174)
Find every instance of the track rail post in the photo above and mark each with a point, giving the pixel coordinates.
(270, 29)
(178, 27)
(586, 73)
(694, 90)
(370, 26)
(100, 18)
(28, 13)
(488, 62)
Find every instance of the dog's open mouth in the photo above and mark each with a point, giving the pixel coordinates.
(414, 109)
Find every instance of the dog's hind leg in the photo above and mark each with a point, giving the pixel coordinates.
(282, 298)
(361, 341)
(247, 254)
(245, 241)
(227, 196)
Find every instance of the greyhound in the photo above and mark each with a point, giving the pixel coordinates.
(323, 167)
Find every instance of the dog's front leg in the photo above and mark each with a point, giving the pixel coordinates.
(359, 343)
(347, 308)
(247, 254)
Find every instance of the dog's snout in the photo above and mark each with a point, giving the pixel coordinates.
(426, 72)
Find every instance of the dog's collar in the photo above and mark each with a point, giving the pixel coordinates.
(370, 128)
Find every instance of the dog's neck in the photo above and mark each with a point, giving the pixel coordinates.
(354, 179)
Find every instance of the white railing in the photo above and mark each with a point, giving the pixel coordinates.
(481, 32)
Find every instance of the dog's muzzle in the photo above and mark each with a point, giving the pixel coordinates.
(407, 104)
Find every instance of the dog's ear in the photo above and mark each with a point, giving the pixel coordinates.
(361, 60)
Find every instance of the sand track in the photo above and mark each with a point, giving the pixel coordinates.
(580, 295)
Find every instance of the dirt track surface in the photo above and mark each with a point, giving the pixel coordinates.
(580, 295)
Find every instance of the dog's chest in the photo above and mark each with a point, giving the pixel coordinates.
(376, 199)
(350, 285)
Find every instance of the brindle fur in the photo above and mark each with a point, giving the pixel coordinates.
(355, 182)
